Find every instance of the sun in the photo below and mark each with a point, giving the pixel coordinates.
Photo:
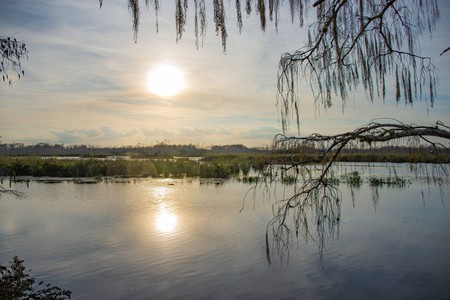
(166, 81)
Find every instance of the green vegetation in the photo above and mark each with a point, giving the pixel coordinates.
(238, 165)
(215, 166)
(389, 181)
(332, 180)
(35, 166)
(396, 155)
(288, 179)
(251, 179)
(354, 179)
(244, 161)
(234, 154)
(15, 283)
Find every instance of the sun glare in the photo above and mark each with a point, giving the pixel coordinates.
(165, 221)
(166, 81)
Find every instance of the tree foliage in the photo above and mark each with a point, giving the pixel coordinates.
(362, 42)
(12, 53)
(16, 283)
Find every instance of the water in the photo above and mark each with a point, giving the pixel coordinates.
(172, 239)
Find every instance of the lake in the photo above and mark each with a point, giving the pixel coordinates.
(189, 239)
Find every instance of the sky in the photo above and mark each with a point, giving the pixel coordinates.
(86, 80)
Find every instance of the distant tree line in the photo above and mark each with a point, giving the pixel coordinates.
(305, 152)
(158, 150)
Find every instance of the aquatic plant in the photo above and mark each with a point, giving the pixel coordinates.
(353, 179)
(288, 179)
(389, 181)
(251, 179)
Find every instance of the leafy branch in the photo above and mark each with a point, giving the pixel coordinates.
(12, 52)
(15, 283)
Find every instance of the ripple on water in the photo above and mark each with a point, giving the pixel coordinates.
(165, 240)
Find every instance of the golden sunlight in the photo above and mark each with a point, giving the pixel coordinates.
(165, 221)
(166, 81)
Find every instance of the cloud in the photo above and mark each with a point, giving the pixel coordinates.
(85, 80)
(262, 133)
(156, 132)
(74, 136)
(83, 136)
(187, 135)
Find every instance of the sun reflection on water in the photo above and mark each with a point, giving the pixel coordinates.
(161, 192)
(165, 220)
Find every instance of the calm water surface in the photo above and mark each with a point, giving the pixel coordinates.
(179, 239)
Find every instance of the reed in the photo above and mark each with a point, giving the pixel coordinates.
(353, 179)
(53, 167)
(394, 181)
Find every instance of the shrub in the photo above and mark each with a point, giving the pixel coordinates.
(15, 283)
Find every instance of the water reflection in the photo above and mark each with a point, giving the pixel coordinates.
(165, 219)
(161, 192)
(312, 210)
(161, 239)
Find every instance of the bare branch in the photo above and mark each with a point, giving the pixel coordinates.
(315, 207)
(445, 51)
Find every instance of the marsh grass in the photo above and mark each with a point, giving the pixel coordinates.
(210, 167)
(389, 181)
(288, 179)
(251, 179)
(248, 168)
(353, 179)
